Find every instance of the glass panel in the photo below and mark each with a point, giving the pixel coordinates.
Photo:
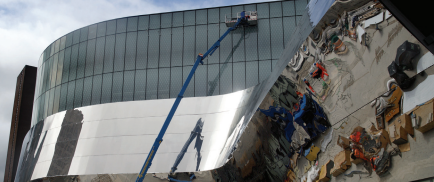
(106, 88)
(264, 69)
(300, 6)
(140, 85)
(132, 24)
(92, 31)
(213, 15)
(90, 58)
(130, 55)
(251, 74)
(128, 90)
(251, 43)
(175, 81)
(57, 101)
(152, 84)
(66, 64)
(225, 46)
(178, 19)
(288, 8)
(54, 70)
(63, 97)
(96, 89)
(264, 39)
(101, 29)
(238, 45)
(68, 40)
(239, 76)
(109, 53)
(189, 18)
(78, 93)
(62, 43)
(111, 27)
(84, 33)
(153, 50)
(189, 92)
(165, 44)
(201, 16)
(226, 78)
(120, 52)
(76, 38)
(70, 99)
(99, 55)
(60, 67)
(177, 42)
(223, 12)
(213, 36)
(200, 83)
(47, 75)
(163, 83)
(57, 46)
(118, 79)
(52, 48)
(87, 91)
(213, 79)
(201, 40)
(142, 50)
(154, 21)
(166, 20)
(143, 22)
(189, 54)
(276, 37)
(288, 28)
(250, 7)
(81, 60)
(275, 9)
(47, 99)
(236, 9)
(263, 11)
(121, 25)
(50, 103)
(73, 64)
(47, 53)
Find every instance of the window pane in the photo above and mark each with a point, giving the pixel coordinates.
(52, 48)
(177, 42)
(47, 99)
(189, 92)
(66, 63)
(99, 55)
(143, 23)
(226, 78)
(165, 45)
(120, 52)
(118, 79)
(251, 42)
(201, 40)
(111, 27)
(201, 16)
(264, 69)
(264, 39)
(60, 67)
(163, 83)
(276, 37)
(175, 81)
(70, 99)
(68, 40)
(152, 84)
(166, 20)
(78, 93)
(189, 54)
(189, 18)
(54, 71)
(200, 83)
(289, 28)
(154, 21)
(121, 25)
(213, 15)
(87, 91)
(263, 11)
(96, 89)
(213, 79)
(275, 9)
(73, 64)
(57, 46)
(62, 43)
(76, 38)
(239, 76)
(63, 97)
(178, 19)
(225, 46)
(153, 50)
(250, 7)
(101, 29)
(50, 102)
(140, 85)
(84, 33)
(128, 90)
(251, 74)
(238, 43)
(132, 24)
(223, 12)
(92, 31)
(90, 58)
(81, 60)
(288, 8)
(106, 88)
(47, 53)
(300, 6)
(236, 10)
(130, 55)
(213, 36)
(142, 50)
(109, 53)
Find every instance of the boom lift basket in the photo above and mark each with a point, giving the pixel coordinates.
(251, 16)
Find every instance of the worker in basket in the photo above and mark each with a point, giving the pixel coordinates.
(319, 72)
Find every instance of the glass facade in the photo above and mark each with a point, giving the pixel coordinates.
(149, 57)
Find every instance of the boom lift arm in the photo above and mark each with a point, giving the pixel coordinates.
(242, 21)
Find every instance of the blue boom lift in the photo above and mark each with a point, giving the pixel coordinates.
(242, 19)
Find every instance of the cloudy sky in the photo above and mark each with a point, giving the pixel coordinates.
(27, 27)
